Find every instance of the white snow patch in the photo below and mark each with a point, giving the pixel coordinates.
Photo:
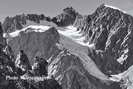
(123, 56)
(116, 78)
(36, 28)
(113, 7)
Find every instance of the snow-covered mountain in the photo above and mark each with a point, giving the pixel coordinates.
(84, 52)
(110, 30)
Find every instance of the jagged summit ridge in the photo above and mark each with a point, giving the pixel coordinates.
(111, 7)
(115, 8)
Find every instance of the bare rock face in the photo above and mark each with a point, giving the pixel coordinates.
(112, 33)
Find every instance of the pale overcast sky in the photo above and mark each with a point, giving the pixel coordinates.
(54, 7)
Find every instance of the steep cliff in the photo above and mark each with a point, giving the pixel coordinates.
(111, 32)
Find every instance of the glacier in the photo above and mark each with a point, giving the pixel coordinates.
(73, 41)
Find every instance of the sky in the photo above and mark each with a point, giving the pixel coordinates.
(54, 7)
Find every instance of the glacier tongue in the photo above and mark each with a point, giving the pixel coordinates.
(73, 40)
(81, 52)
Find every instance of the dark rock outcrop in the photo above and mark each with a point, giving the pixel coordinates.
(2, 40)
(40, 67)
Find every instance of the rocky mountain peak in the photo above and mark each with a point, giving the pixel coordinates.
(66, 18)
(66, 46)
(107, 8)
(110, 29)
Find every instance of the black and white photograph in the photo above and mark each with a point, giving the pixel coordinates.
(66, 44)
